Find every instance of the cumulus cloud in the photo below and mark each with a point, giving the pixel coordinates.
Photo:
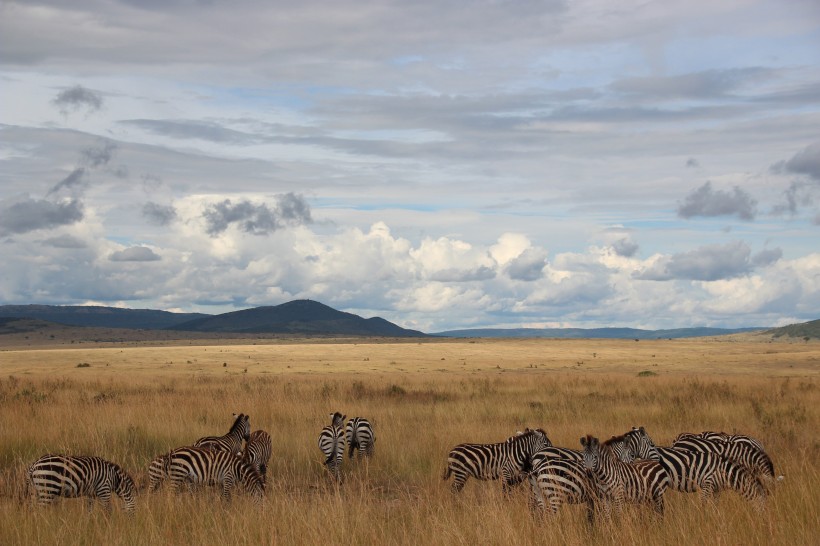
(805, 162)
(707, 263)
(77, 98)
(625, 247)
(27, 214)
(161, 215)
(257, 219)
(528, 266)
(134, 254)
(706, 201)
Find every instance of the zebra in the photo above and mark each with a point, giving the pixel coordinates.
(332, 444)
(202, 466)
(258, 450)
(640, 481)
(232, 441)
(559, 480)
(157, 471)
(80, 476)
(509, 460)
(690, 471)
(359, 436)
(749, 454)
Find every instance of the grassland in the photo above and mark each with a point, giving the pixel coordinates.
(130, 401)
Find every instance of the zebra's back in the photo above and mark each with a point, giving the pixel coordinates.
(332, 444)
(201, 466)
(54, 476)
(359, 437)
(560, 480)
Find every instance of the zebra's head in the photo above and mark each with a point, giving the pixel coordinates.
(640, 445)
(241, 426)
(125, 488)
(592, 452)
(337, 419)
(253, 480)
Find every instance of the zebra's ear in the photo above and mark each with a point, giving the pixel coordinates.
(642, 430)
(584, 441)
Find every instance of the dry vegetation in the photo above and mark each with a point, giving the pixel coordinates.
(130, 402)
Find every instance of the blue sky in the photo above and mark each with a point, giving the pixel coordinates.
(440, 164)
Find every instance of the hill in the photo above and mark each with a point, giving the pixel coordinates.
(591, 333)
(296, 317)
(804, 330)
(98, 316)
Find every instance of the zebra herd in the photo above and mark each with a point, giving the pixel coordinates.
(357, 434)
(626, 468)
(602, 475)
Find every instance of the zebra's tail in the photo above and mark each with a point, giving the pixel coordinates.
(447, 472)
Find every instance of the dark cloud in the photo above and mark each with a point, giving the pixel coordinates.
(76, 98)
(706, 201)
(528, 266)
(692, 163)
(99, 156)
(625, 247)
(707, 263)
(29, 214)
(257, 219)
(134, 254)
(65, 241)
(805, 162)
(76, 179)
(481, 273)
(766, 257)
(698, 85)
(161, 215)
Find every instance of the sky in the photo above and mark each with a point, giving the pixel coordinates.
(441, 164)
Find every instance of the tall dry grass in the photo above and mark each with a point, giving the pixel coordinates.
(399, 496)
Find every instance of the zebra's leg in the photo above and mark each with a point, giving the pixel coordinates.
(458, 482)
(536, 501)
(227, 486)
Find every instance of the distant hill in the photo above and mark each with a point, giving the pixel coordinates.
(296, 317)
(603, 333)
(97, 316)
(803, 330)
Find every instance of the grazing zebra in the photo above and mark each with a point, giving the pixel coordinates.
(93, 477)
(749, 454)
(690, 471)
(258, 451)
(640, 481)
(359, 436)
(202, 466)
(232, 441)
(509, 460)
(332, 444)
(157, 471)
(559, 480)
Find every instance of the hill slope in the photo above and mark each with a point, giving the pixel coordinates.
(98, 316)
(810, 330)
(296, 317)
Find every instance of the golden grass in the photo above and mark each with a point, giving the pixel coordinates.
(133, 402)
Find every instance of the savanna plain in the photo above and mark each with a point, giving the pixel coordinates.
(130, 401)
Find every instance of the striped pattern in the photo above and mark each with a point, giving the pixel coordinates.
(748, 453)
(620, 482)
(558, 480)
(258, 451)
(332, 444)
(509, 460)
(232, 441)
(54, 476)
(190, 466)
(157, 472)
(690, 471)
(359, 437)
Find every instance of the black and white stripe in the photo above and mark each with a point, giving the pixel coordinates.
(748, 453)
(332, 444)
(509, 460)
(690, 471)
(258, 450)
(559, 480)
(54, 476)
(232, 441)
(190, 466)
(640, 482)
(359, 436)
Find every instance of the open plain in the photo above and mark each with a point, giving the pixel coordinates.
(130, 401)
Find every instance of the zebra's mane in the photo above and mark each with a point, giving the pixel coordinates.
(615, 440)
(528, 433)
(237, 424)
